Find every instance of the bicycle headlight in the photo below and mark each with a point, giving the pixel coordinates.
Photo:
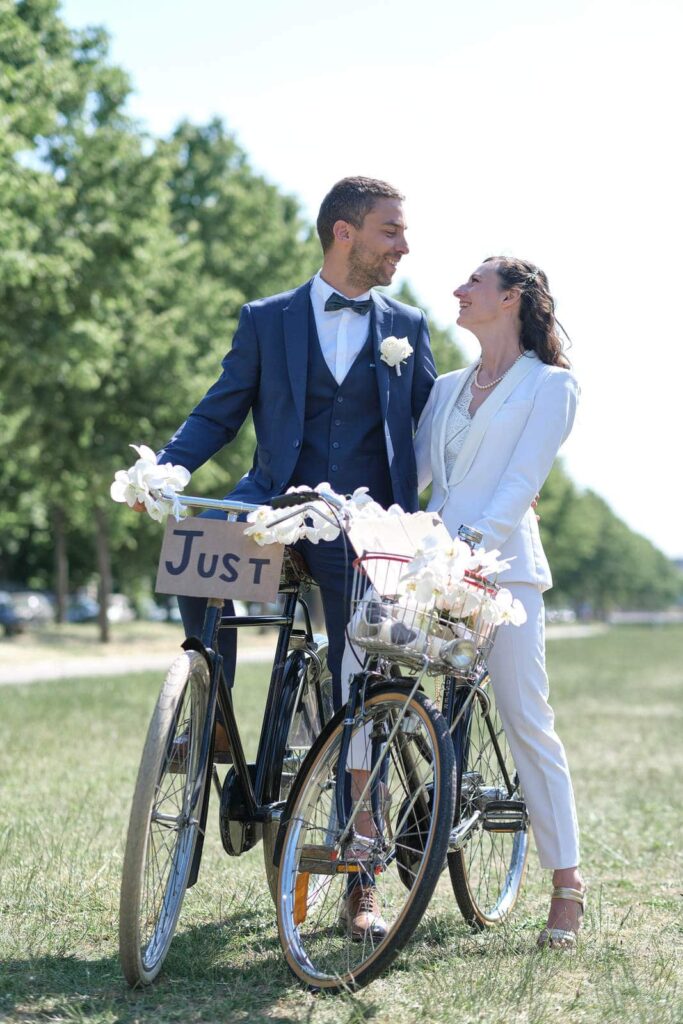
(460, 654)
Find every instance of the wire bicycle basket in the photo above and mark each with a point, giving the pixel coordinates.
(387, 621)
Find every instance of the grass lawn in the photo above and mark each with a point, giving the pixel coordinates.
(68, 759)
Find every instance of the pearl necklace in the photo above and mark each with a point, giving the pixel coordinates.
(485, 387)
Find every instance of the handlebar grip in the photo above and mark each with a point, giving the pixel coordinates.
(304, 498)
(295, 498)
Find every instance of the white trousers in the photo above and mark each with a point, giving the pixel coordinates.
(520, 685)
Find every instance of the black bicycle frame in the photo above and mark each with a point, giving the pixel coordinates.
(255, 792)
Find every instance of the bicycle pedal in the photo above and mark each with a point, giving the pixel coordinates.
(505, 816)
(319, 860)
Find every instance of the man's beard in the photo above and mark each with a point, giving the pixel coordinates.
(366, 271)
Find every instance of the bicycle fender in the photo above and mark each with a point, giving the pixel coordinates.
(193, 643)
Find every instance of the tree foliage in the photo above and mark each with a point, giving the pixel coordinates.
(124, 261)
(598, 563)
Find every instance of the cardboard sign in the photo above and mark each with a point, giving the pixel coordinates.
(393, 535)
(213, 558)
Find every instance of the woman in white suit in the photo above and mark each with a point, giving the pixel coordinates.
(487, 439)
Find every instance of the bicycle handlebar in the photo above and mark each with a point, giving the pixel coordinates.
(280, 501)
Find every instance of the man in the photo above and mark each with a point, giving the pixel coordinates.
(326, 406)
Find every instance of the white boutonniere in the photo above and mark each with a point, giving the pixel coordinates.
(395, 351)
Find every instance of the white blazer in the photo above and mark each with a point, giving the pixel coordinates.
(509, 450)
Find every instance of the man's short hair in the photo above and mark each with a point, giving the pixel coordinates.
(351, 199)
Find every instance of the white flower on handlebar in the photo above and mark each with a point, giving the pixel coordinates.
(258, 525)
(313, 521)
(153, 485)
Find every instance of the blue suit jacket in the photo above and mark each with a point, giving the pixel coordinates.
(265, 372)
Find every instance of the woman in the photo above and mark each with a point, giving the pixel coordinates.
(487, 439)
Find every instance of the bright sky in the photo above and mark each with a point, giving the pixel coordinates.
(547, 129)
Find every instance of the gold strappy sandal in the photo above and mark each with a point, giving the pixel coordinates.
(563, 938)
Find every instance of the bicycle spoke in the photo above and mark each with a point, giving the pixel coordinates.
(487, 868)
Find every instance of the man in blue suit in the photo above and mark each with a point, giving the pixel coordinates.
(326, 406)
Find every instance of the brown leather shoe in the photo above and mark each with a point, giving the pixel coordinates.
(361, 915)
(177, 763)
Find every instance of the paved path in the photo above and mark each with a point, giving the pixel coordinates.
(77, 668)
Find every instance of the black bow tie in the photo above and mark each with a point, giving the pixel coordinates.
(336, 301)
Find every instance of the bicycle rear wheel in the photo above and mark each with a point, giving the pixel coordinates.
(310, 708)
(412, 802)
(164, 820)
(487, 869)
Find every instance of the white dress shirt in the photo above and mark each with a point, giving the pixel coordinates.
(341, 332)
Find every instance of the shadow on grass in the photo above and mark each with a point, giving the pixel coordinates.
(232, 970)
(227, 970)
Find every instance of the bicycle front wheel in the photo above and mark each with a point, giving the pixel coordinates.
(487, 868)
(402, 750)
(164, 820)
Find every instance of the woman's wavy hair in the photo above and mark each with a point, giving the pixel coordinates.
(540, 329)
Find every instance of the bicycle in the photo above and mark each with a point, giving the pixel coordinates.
(170, 804)
(440, 786)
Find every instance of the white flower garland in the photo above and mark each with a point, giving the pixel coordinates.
(438, 577)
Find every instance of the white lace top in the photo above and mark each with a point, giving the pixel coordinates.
(458, 424)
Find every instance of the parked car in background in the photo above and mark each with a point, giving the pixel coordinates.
(33, 607)
(560, 615)
(120, 609)
(83, 608)
(150, 611)
(10, 622)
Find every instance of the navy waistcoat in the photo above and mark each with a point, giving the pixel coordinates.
(343, 440)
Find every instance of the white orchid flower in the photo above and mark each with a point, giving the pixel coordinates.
(152, 485)
(490, 610)
(122, 489)
(489, 563)
(365, 510)
(177, 477)
(155, 509)
(459, 600)
(260, 515)
(144, 453)
(318, 529)
(258, 529)
(359, 498)
(511, 609)
(260, 535)
(423, 585)
(289, 531)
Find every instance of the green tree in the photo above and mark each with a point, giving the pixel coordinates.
(124, 264)
(597, 562)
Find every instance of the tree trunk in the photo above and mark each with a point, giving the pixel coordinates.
(104, 569)
(61, 562)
